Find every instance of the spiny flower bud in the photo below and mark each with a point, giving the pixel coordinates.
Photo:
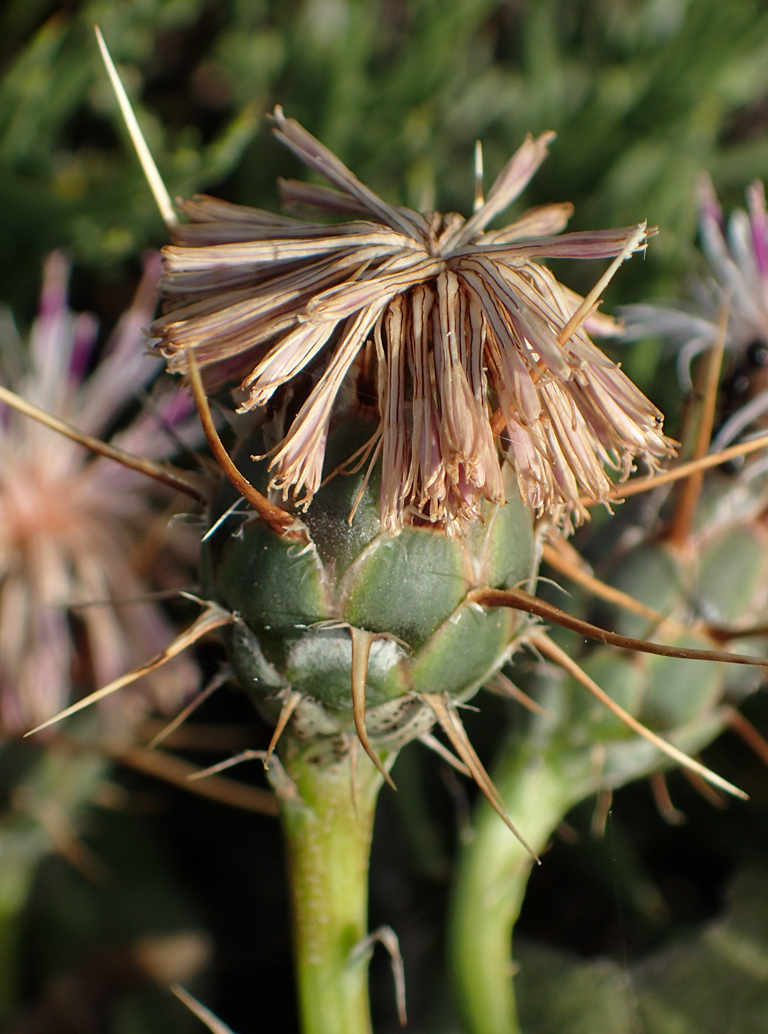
(340, 615)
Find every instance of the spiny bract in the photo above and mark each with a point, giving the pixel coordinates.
(302, 601)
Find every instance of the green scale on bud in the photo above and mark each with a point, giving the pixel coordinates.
(300, 599)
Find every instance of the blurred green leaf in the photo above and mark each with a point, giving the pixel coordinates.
(713, 981)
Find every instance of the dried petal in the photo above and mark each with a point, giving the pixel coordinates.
(465, 326)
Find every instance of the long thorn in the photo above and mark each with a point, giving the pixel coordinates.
(284, 787)
(682, 519)
(212, 617)
(387, 937)
(213, 1023)
(517, 599)
(748, 733)
(705, 789)
(592, 300)
(456, 733)
(434, 744)
(290, 702)
(277, 519)
(506, 687)
(202, 736)
(601, 813)
(181, 480)
(663, 799)
(604, 591)
(178, 720)
(684, 470)
(560, 657)
(178, 772)
(361, 651)
(153, 177)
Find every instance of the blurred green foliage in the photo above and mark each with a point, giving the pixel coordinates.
(644, 94)
(710, 981)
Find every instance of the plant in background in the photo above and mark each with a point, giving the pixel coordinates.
(737, 284)
(699, 576)
(85, 545)
(79, 535)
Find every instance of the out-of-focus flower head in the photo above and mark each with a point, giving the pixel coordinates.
(737, 253)
(458, 337)
(77, 531)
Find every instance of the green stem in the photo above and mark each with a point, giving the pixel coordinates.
(538, 790)
(328, 838)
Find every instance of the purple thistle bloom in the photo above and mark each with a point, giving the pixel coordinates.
(737, 253)
(76, 532)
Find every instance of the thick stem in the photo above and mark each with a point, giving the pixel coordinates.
(538, 790)
(328, 838)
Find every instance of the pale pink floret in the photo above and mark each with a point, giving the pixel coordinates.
(72, 527)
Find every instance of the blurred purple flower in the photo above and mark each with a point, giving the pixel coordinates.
(737, 253)
(73, 528)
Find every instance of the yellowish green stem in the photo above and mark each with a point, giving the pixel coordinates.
(328, 838)
(494, 868)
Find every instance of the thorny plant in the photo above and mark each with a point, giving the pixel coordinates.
(696, 576)
(477, 310)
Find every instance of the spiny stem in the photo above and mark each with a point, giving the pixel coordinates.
(560, 657)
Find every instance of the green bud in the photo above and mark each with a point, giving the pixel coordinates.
(300, 599)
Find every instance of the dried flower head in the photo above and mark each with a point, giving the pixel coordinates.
(737, 253)
(469, 348)
(72, 526)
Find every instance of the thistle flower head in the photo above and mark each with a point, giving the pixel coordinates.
(737, 253)
(71, 526)
(466, 346)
